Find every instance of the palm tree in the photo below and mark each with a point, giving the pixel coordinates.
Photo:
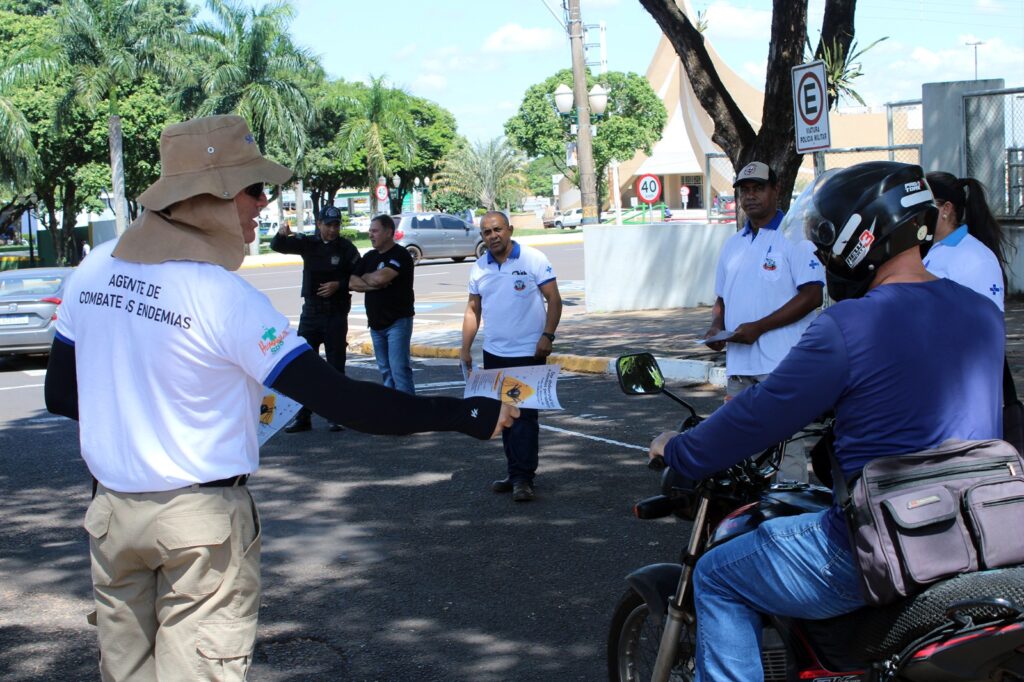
(488, 172)
(379, 113)
(18, 155)
(248, 65)
(103, 46)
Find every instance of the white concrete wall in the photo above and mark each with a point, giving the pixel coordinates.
(647, 267)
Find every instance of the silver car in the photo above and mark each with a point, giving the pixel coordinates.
(438, 235)
(29, 300)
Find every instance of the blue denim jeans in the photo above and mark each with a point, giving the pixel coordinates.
(522, 439)
(789, 567)
(391, 347)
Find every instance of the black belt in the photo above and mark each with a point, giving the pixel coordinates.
(232, 482)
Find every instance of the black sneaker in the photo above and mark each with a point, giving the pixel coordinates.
(298, 426)
(502, 486)
(335, 427)
(522, 491)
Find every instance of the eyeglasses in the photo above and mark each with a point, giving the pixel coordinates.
(255, 190)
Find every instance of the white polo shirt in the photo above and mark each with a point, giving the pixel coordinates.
(170, 360)
(510, 298)
(757, 275)
(965, 260)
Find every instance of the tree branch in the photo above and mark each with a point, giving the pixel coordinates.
(732, 131)
(837, 30)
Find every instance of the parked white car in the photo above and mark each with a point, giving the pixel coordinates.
(571, 219)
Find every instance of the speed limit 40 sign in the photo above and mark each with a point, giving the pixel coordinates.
(648, 188)
(382, 192)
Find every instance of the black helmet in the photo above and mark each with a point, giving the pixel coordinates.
(860, 217)
(331, 214)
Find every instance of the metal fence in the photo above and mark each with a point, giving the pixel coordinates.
(993, 143)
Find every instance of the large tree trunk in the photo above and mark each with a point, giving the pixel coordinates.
(774, 143)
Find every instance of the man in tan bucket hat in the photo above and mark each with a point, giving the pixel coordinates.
(162, 354)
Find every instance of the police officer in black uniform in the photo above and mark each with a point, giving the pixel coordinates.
(328, 261)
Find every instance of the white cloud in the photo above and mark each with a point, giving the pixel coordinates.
(430, 82)
(516, 38)
(754, 73)
(898, 71)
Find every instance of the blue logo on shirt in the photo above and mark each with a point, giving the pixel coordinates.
(814, 264)
(995, 289)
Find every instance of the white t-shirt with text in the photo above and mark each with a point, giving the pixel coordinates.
(170, 361)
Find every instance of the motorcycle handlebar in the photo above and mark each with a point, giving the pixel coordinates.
(656, 463)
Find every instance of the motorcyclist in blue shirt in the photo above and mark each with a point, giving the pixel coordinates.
(905, 359)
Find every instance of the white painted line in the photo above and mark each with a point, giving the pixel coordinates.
(597, 438)
(297, 286)
(34, 372)
(429, 274)
(15, 388)
(44, 420)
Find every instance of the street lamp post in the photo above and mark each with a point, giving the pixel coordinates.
(596, 102)
(975, 44)
(396, 182)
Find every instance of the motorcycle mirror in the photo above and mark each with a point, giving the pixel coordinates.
(639, 374)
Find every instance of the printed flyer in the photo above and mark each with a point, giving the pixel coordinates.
(276, 410)
(532, 387)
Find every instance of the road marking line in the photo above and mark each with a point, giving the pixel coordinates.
(15, 388)
(34, 372)
(297, 286)
(597, 438)
(43, 420)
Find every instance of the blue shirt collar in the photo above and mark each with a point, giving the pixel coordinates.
(511, 256)
(773, 225)
(955, 237)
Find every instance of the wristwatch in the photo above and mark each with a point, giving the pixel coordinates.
(550, 336)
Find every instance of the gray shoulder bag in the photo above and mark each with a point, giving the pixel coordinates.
(918, 518)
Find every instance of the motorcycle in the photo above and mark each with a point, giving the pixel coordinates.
(970, 627)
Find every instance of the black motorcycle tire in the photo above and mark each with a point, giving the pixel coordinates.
(633, 639)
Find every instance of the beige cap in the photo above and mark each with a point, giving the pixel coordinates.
(215, 155)
(757, 172)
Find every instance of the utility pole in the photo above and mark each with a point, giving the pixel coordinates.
(584, 145)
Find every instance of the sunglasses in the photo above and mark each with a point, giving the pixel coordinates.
(255, 191)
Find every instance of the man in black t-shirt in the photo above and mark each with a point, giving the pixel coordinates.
(386, 274)
(328, 261)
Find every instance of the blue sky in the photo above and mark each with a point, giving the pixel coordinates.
(477, 57)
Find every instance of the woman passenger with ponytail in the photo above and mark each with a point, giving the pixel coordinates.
(969, 246)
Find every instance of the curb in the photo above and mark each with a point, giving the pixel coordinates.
(687, 372)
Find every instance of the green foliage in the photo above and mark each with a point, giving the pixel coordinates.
(448, 202)
(28, 7)
(488, 173)
(247, 64)
(841, 69)
(25, 38)
(380, 115)
(633, 121)
(538, 176)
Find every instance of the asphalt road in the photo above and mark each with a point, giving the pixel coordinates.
(383, 558)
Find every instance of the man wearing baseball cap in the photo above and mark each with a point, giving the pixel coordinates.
(767, 288)
(162, 354)
(328, 261)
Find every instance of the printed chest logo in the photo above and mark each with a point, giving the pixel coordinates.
(335, 260)
(272, 341)
(519, 285)
(769, 261)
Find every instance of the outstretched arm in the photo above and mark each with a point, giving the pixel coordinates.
(373, 408)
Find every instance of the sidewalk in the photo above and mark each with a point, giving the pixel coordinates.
(590, 342)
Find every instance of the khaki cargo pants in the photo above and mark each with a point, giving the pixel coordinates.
(176, 580)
